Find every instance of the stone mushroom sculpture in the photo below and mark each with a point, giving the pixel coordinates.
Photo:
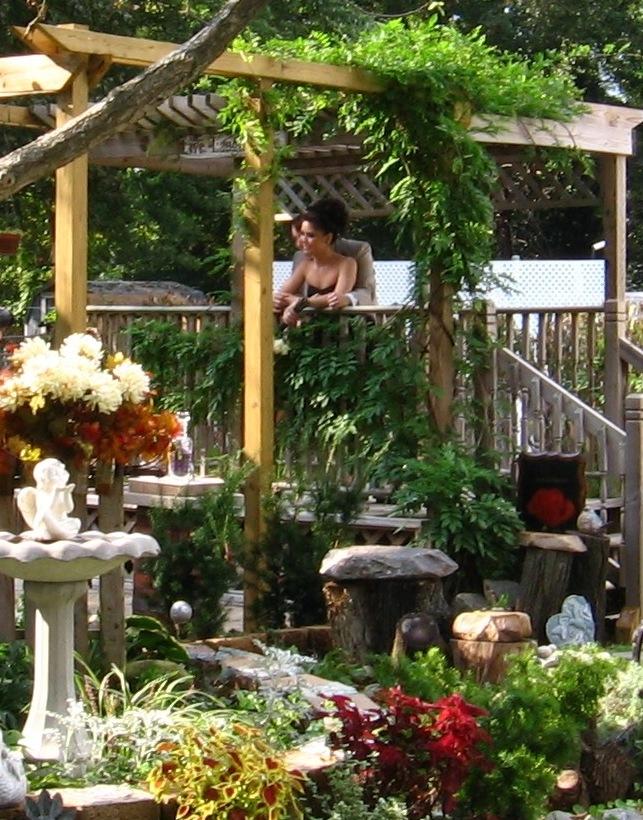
(369, 588)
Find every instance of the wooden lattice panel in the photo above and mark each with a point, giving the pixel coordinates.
(532, 186)
(332, 167)
(361, 194)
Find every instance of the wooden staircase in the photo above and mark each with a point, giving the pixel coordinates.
(535, 414)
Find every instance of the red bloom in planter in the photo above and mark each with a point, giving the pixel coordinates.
(551, 506)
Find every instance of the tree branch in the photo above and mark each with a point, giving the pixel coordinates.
(126, 103)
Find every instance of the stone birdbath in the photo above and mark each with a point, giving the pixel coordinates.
(55, 562)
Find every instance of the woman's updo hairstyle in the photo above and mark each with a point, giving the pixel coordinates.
(328, 215)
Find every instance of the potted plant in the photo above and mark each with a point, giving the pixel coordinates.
(9, 242)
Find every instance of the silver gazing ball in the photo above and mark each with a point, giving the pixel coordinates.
(180, 612)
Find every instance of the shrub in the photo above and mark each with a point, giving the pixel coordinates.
(469, 515)
(16, 675)
(199, 541)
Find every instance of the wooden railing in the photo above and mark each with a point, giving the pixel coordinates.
(563, 343)
(114, 322)
(544, 417)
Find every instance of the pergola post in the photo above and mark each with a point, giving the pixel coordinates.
(632, 569)
(258, 401)
(441, 352)
(70, 239)
(614, 191)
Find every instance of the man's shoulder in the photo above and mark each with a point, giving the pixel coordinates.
(352, 247)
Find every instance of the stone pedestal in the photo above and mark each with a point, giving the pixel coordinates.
(43, 734)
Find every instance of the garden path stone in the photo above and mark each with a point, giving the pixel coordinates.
(251, 670)
(120, 802)
(370, 562)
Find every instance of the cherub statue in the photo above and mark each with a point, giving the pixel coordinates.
(46, 506)
(13, 783)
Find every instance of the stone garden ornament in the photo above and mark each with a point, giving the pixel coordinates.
(46, 506)
(13, 783)
(55, 560)
(573, 625)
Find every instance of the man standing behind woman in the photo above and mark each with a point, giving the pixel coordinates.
(328, 270)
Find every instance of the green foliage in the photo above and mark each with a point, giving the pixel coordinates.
(343, 798)
(147, 638)
(122, 728)
(284, 719)
(315, 381)
(16, 675)
(581, 679)
(289, 555)
(468, 513)
(536, 717)
(195, 371)
(622, 704)
(199, 543)
(416, 131)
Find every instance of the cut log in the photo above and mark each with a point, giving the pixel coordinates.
(589, 576)
(492, 625)
(486, 659)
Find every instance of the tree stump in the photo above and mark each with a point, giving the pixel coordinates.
(482, 641)
(589, 577)
(545, 575)
(369, 588)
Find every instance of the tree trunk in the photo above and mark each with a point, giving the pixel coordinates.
(363, 615)
(126, 103)
(543, 586)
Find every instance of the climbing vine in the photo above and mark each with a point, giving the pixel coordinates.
(416, 131)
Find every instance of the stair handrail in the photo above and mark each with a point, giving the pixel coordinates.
(631, 354)
(593, 421)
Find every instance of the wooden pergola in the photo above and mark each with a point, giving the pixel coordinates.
(67, 61)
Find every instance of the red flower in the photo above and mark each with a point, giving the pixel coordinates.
(550, 506)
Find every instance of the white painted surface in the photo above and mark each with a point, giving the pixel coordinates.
(526, 283)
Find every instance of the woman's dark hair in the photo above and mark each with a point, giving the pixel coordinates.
(328, 215)
(296, 221)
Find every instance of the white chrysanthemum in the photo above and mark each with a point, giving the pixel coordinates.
(12, 395)
(135, 383)
(104, 393)
(30, 349)
(82, 344)
(280, 347)
(51, 375)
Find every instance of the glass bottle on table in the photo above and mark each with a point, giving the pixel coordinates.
(181, 450)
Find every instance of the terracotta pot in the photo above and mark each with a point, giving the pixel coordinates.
(9, 242)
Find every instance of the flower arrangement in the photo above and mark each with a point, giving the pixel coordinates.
(78, 404)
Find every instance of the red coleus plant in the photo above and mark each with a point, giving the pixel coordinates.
(419, 751)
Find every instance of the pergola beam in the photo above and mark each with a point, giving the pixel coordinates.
(36, 74)
(133, 51)
(602, 129)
